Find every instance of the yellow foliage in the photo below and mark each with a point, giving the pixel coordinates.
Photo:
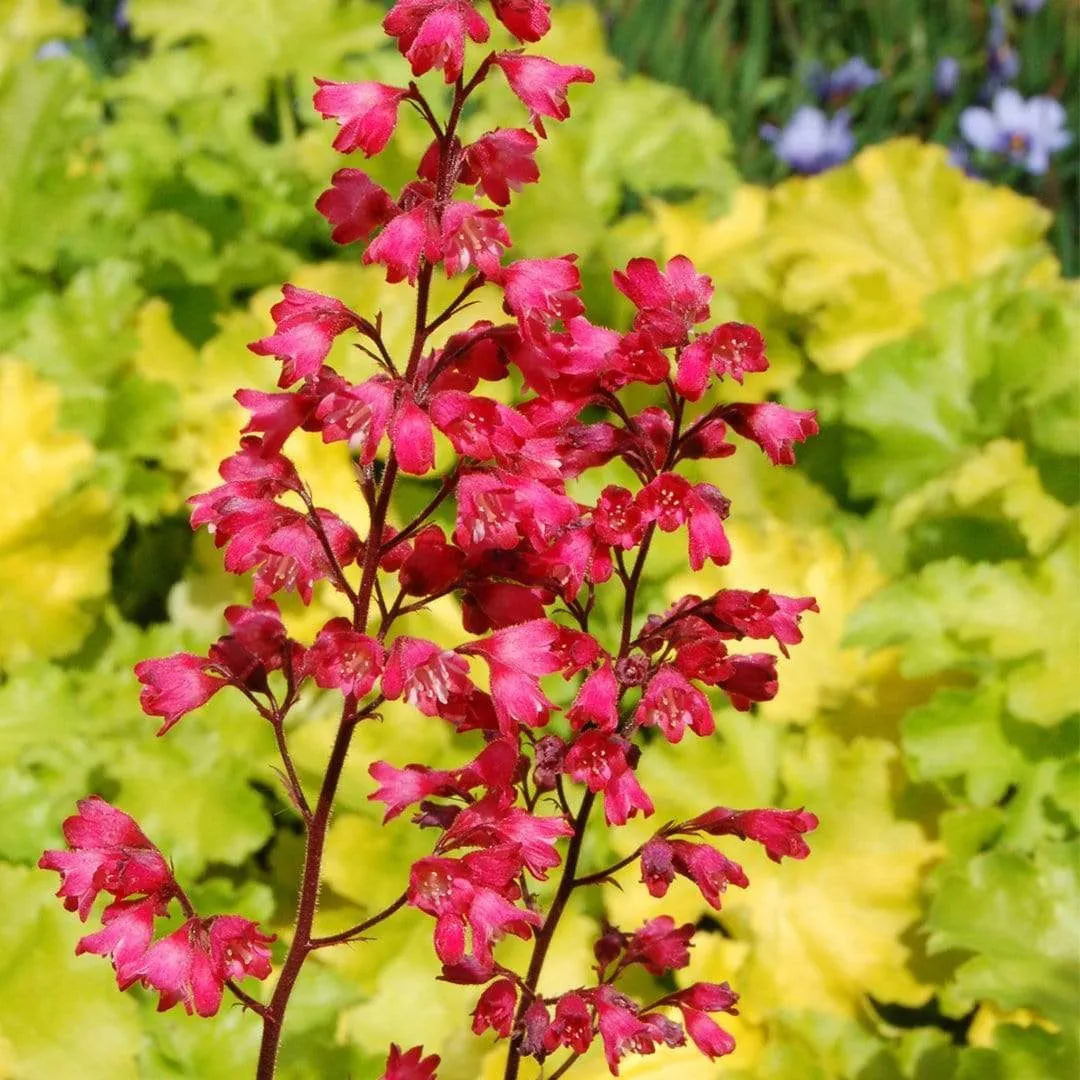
(849, 257)
(28, 23)
(998, 480)
(55, 537)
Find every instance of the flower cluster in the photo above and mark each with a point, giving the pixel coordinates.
(190, 966)
(540, 527)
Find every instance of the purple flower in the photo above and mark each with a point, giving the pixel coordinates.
(810, 141)
(849, 78)
(946, 77)
(1023, 8)
(53, 49)
(1027, 132)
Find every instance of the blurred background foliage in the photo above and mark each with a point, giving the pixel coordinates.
(156, 186)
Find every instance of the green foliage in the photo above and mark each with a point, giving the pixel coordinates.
(156, 188)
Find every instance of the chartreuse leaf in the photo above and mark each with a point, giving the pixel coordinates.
(62, 1016)
(860, 247)
(1018, 915)
(281, 39)
(954, 614)
(47, 591)
(29, 23)
(46, 111)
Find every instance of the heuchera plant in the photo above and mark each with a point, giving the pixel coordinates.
(532, 565)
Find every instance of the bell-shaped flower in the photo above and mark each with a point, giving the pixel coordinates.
(307, 324)
(126, 933)
(431, 33)
(355, 206)
(344, 659)
(600, 761)
(366, 111)
(617, 519)
(108, 853)
(175, 685)
(749, 678)
(191, 966)
(541, 84)
(673, 704)
(572, 1025)
(502, 161)
(597, 701)
(624, 1030)
(733, 349)
(472, 236)
(659, 946)
(410, 1064)
(780, 832)
(495, 1009)
(773, 427)
(695, 1003)
(537, 292)
(669, 303)
(763, 614)
(410, 237)
(527, 20)
(428, 677)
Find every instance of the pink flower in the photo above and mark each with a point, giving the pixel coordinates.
(410, 1064)
(695, 1003)
(428, 677)
(572, 1026)
(670, 500)
(774, 428)
(175, 685)
(344, 659)
(625, 1031)
(108, 853)
(503, 161)
(367, 112)
(431, 33)
(411, 435)
(668, 303)
(410, 237)
(467, 895)
(191, 966)
(541, 84)
(479, 427)
(731, 349)
(277, 416)
(597, 701)
(749, 678)
(672, 703)
(711, 871)
(127, 930)
(355, 205)
(659, 946)
(617, 519)
(780, 832)
(527, 20)
(495, 1009)
(600, 762)
(539, 291)
(307, 324)
(763, 614)
(472, 236)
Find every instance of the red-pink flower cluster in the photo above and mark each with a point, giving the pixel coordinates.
(107, 852)
(541, 529)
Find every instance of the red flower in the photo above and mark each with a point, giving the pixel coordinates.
(175, 685)
(430, 678)
(711, 871)
(625, 1031)
(495, 1009)
(108, 853)
(673, 704)
(541, 84)
(410, 1065)
(191, 966)
(344, 659)
(539, 291)
(600, 761)
(695, 1003)
(503, 161)
(355, 205)
(668, 303)
(367, 112)
(617, 519)
(597, 700)
(472, 236)
(307, 324)
(774, 428)
(527, 20)
(410, 237)
(431, 33)
(763, 614)
(572, 1026)
(780, 832)
(659, 946)
(731, 349)
(127, 930)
